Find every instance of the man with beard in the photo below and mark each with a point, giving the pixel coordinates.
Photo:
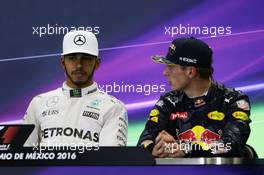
(199, 117)
(77, 113)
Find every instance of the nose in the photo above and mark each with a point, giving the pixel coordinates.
(79, 62)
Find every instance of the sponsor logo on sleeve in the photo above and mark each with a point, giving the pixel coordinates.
(154, 119)
(240, 115)
(154, 115)
(243, 104)
(154, 112)
(160, 103)
(215, 115)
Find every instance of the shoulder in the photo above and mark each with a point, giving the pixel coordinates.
(170, 98)
(172, 94)
(228, 92)
(236, 103)
(52, 95)
(233, 98)
(111, 100)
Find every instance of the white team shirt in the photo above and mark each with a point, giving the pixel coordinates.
(84, 116)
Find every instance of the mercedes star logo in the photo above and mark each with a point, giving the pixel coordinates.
(79, 40)
(52, 101)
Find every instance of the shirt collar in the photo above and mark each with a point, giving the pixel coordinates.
(77, 93)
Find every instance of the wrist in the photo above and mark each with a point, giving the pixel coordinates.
(148, 145)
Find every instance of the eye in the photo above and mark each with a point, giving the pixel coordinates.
(71, 57)
(87, 58)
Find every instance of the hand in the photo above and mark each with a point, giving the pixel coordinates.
(166, 146)
(176, 151)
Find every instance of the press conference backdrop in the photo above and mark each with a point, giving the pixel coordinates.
(129, 33)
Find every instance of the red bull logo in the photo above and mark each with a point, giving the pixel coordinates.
(206, 138)
(199, 134)
(199, 102)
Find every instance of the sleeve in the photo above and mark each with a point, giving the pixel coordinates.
(30, 118)
(235, 131)
(157, 121)
(115, 127)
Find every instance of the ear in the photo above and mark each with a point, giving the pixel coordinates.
(62, 60)
(97, 63)
(192, 72)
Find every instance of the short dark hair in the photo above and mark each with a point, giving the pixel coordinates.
(204, 73)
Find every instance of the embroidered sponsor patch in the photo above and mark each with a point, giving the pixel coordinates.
(154, 112)
(154, 119)
(179, 115)
(199, 102)
(75, 93)
(160, 103)
(240, 115)
(90, 114)
(50, 112)
(243, 104)
(215, 115)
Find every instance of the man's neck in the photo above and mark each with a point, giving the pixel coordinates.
(197, 88)
(78, 86)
